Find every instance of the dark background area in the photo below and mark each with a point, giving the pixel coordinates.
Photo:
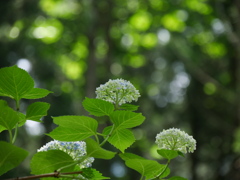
(182, 55)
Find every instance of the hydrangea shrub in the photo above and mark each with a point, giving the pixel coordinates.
(77, 141)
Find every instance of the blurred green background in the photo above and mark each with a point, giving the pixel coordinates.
(182, 55)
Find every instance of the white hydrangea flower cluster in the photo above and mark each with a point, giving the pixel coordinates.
(75, 149)
(175, 139)
(118, 91)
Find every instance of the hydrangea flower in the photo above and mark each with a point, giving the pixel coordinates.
(75, 149)
(175, 139)
(118, 91)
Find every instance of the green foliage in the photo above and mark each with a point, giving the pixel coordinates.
(49, 161)
(168, 154)
(8, 117)
(92, 174)
(94, 150)
(37, 110)
(120, 138)
(126, 119)
(10, 156)
(49, 164)
(15, 82)
(129, 107)
(127, 156)
(98, 107)
(36, 93)
(74, 128)
(148, 168)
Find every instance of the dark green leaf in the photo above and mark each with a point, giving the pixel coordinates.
(74, 128)
(94, 150)
(126, 119)
(36, 111)
(8, 117)
(10, 156)
(168, 154)
(36, 93)
(98, 107)
(129, 107)
(49, 161)
(15, 82)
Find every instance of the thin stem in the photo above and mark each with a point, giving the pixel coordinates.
(16, 128)
(164, 169)
(101, 134)
(110, 133)
(15, 134)
(96, 137)
(10, 136)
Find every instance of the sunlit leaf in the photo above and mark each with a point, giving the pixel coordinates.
(10, 156)
(98, 107)
(120, 138)
(126, 119)
(73, 128)
(37, 110)
(15, 82)
(36, 93)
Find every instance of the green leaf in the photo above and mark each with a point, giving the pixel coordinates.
(120, 138)
(129, 107)
(127, 156)
(148, 168)
(15, 82)
(74, 128)
(168, 154)
(94, 150)
(36, 93)
(49, 161)
(10, 156)
(177, 178)
(2, 128)
(3, 94)
(126, 119)
(98, 107)
(8, 117)
(36, 111)
(22, 119)
(92, 174)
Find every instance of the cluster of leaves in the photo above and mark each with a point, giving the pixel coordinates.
(18, 84)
